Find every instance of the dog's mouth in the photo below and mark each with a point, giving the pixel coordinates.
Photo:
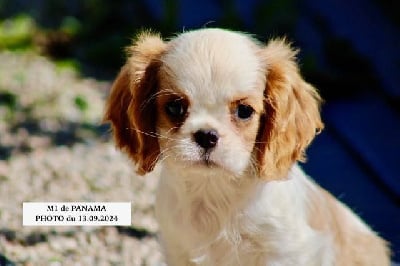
(203, 164)
(209, 163)
(205, 161)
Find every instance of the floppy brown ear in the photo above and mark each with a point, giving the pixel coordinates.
(131, 105)
(291, 113)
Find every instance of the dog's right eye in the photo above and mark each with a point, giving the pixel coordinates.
(244, 111)
(176, 108)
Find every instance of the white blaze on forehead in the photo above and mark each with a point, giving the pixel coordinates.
(212, 65)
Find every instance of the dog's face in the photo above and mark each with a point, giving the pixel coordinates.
(209, 101)
(213, 99)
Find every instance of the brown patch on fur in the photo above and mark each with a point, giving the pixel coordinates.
(166, 95)
(353, 245)
(291, 113)
(131, 106)
(246, 129)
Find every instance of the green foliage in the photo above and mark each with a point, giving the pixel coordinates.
(81, 103)
(69, 64)
(8, 105)
(17, 32)
(8, 99)
(71, 26)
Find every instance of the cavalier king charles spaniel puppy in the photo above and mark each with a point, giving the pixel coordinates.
(228, 117)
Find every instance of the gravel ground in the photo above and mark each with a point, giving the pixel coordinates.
(54, 148)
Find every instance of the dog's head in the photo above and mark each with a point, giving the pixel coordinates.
(213, 99)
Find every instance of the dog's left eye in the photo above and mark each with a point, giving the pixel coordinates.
(176, 108)
(244, 111)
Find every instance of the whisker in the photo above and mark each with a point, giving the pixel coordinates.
(153, 134)
(154, 96)
(164, 155)
(172, 128)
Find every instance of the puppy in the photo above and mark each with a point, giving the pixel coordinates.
(228, 117)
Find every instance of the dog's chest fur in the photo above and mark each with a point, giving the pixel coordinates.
(217, 221)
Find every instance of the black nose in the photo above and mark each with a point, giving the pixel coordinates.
(206, 139)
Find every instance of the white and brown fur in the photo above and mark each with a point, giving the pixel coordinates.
(246, 201)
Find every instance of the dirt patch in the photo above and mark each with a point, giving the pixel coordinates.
(54, 148)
